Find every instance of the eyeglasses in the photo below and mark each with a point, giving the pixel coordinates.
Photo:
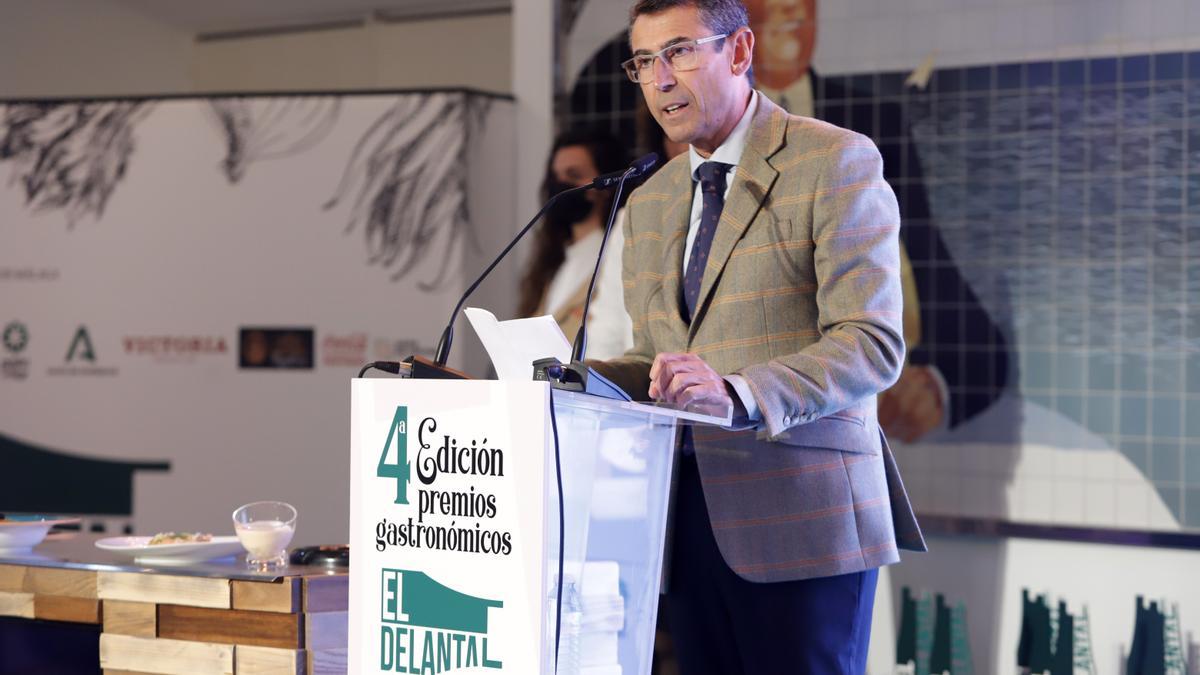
(679, 56)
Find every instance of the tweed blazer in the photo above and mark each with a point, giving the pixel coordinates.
(801, 297)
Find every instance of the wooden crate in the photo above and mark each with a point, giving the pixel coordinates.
(162, 623)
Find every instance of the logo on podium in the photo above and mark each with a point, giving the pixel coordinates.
(426, 627)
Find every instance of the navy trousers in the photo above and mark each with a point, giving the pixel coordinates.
(722, 624)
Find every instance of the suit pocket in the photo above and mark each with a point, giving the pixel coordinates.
(838, 431)
(847, 417)
(769, 242)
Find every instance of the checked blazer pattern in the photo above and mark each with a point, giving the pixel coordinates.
(800, 295)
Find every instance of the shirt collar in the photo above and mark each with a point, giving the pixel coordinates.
(730, 151)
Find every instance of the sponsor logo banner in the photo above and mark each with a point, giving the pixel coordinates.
(81, 358)
(174, 348)
(339, 351)
(28, 274)
(14, 366)
(274, 348)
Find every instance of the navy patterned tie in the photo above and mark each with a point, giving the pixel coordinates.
(712, 189)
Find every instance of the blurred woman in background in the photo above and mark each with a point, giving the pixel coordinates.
(568, 243)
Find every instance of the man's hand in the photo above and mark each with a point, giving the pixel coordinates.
(686, 381)
(913, 407)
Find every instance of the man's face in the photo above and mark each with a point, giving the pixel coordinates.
(787, 33)
(698, 107)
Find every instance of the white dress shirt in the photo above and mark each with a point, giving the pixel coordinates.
(729, 152)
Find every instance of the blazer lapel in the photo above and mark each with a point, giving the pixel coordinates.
(675, 227)
(751, 183)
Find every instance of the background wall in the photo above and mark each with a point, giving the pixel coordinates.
(471, 51)
(74, 48)
(874, 35)
(132, 286)
(85, 48)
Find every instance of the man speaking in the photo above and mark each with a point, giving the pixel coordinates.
(762, 269)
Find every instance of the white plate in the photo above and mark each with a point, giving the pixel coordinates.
(25, 532)
(141, 551)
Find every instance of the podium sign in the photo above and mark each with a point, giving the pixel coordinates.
(454, 528)
(447, 526)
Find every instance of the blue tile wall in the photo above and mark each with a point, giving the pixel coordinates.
(1105, 153)
(1069, 193)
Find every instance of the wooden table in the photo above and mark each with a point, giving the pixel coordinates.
(212, 618)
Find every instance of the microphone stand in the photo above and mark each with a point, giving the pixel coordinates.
(420, 367)
(576, 375)
(443, 347)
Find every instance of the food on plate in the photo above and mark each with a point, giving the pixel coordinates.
(179, 538)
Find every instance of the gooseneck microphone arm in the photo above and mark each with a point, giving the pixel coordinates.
(638, 168)
(443, 347)
(580, 345)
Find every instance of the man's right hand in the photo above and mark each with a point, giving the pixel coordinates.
(686, 381)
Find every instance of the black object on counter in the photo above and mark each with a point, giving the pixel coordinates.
(325, 556)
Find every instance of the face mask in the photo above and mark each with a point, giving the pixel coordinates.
(569, 209)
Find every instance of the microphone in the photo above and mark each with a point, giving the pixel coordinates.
(577, 376)
(422, 368)
(639, 167)
(443, 347)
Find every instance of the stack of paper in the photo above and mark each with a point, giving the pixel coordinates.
(603, 606)
(603, 618)
(605, 613)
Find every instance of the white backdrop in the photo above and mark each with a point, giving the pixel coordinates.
(220, 218)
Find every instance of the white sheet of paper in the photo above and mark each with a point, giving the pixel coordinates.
(515, 344)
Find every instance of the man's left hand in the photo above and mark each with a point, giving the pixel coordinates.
(686, 381)
(913, 407)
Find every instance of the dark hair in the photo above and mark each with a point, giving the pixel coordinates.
(550, 243)
(721, 16)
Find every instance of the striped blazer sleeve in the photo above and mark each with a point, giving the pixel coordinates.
(856, 226)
